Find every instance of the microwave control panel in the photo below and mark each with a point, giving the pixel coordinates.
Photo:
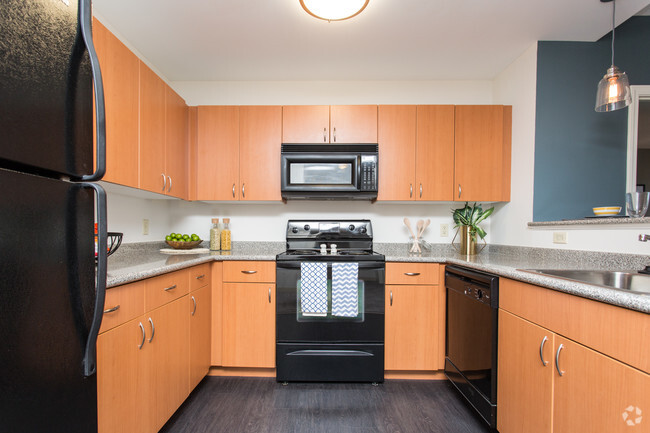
(368, 173)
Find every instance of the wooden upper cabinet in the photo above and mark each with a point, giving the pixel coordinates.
(397, 139)
(120, 75)
(353, 124)
(305, 123)
(329, 124)
(217, 154)
(482, 152)
(176, 144)
(434, 153)
(152, 131)
(260, 139)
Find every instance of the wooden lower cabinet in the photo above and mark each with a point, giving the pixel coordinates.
(200, 335)
(594, 392)
(525, 383)
(122, 359)
(169, 364)
(248, 325)
(411, 338)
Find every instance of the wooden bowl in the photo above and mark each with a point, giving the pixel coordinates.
(179, 245)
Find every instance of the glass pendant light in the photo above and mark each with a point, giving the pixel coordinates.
(614, 88)
(334, 10)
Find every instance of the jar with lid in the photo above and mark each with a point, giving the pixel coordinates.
(225, 235)
(215, 235)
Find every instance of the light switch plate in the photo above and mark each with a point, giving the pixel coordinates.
(559, 238)
(145, 226)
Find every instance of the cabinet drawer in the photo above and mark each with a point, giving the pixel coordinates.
(199, 276)
(249, 272)
(122, 304)
(165, 288)
(412, 273)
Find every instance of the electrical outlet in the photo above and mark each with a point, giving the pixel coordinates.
(559, 238)
(444, 230)
(145, 226)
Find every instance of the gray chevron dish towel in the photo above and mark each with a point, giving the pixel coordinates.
(345, 289)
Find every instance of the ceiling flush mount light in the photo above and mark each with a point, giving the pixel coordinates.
(334, 10)
(614, 88)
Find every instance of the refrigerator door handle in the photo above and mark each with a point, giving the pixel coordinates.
(90, 354)
(85, 24)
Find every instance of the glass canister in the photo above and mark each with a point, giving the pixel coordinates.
(225, 235)
(215, 235)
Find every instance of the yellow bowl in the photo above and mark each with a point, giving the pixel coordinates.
(607, 210)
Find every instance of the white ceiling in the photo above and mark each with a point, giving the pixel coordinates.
(215, 40)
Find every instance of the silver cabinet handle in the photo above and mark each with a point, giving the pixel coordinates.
(460, 190)
(200, 277)
(243, 190)
(557, 360)
(144, 336)
(110, 310)
(194, 310)
(164, 181)
(334, 133)
(541, 351)
(169, 187)
(248, 272)
(420, 190)
(324, 135)
(167, 289)
(391, 298)
(153, 330)
(412, 274)
(269, 295)
(411, 190)
(233, 190)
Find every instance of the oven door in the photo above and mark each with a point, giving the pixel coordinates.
(320, 172)
(368, 326)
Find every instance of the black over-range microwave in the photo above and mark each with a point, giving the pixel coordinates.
(329, 171)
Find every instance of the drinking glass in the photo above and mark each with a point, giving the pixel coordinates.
(637, 203)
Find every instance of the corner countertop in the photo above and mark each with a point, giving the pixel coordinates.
(139, 261)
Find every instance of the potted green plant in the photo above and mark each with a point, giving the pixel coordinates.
(467, 221)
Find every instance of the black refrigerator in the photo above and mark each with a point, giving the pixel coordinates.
(51, 284)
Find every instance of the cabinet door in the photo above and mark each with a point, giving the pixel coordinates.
(411, 328)
(353, 124)
(597, 393)
(525, 383)
(200, 326)
(482, 152)
(397, 129)
(217, 156)
(434, 154)
(122, 381)
(305, 123)
(152, 131)
(120, 74)
(260, 139)
(176, 124)
(168, 338)
(248, 325)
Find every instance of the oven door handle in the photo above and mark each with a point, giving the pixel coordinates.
(329, 352)
(362, 265)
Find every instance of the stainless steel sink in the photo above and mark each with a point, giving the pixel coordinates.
(629, 281)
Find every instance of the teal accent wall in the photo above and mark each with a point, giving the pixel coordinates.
(581, 155)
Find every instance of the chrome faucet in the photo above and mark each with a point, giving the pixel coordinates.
(644, 238)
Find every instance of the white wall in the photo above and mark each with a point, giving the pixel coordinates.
(516, 86)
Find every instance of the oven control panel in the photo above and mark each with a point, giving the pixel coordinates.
(344, 229)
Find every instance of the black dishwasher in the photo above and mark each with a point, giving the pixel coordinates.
(471, 337)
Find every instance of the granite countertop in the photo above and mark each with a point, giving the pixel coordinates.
(138, 261)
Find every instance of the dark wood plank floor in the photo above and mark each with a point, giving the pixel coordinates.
(235, 404)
